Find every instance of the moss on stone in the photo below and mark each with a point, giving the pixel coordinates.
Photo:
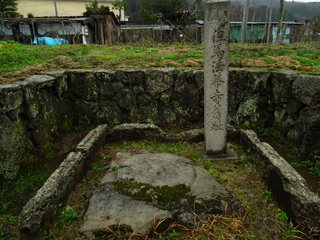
(47, 148)
(31, 161)
(66, 126)
(165, 197)
(248, 110)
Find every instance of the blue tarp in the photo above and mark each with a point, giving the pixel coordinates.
(49, 41)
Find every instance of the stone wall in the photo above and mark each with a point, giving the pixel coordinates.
(37, 111)
(285, 101)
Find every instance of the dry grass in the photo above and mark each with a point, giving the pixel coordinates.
(216, 227)
(60, 62)
(300, 58)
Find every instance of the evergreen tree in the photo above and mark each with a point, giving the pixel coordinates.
(8, 8)
(120, 5)
(151, 9)
(94, 9)
(134, 9)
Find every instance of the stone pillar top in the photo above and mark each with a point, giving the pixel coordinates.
(209, 1)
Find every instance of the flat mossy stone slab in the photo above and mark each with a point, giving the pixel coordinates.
(141, 188)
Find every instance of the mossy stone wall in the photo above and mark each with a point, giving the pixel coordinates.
(35, 112)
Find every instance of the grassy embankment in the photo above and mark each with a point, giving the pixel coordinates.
(19, 61)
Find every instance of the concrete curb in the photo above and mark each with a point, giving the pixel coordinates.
(93, 141)
(45, 205)
(287, 186)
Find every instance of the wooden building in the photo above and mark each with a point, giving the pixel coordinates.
(58, 8)
(96, 29)
(257, 32)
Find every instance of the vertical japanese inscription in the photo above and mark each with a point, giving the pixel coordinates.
(216, 74)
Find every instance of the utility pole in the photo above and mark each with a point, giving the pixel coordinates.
(280, 25)
(196, 12)
(245, 21)
(269, 35)
(197, 22)
(55, 7)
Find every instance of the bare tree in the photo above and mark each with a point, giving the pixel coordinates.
(279, 38)
(236, 11)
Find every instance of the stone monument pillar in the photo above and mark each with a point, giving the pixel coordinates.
(216, 53)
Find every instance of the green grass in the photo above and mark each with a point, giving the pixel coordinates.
(179, 148)
(15, 193)
(171, 56)
(284, 52)
(282, 216)
(313, 168)
(269, 60)
(308, 61)
(68, 217)
(40, 59)
(264, 131)
(14, 56)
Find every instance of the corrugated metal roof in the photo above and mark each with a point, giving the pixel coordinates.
(145, 26)
(273, 23)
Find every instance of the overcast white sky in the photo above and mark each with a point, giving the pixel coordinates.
(304, 0)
